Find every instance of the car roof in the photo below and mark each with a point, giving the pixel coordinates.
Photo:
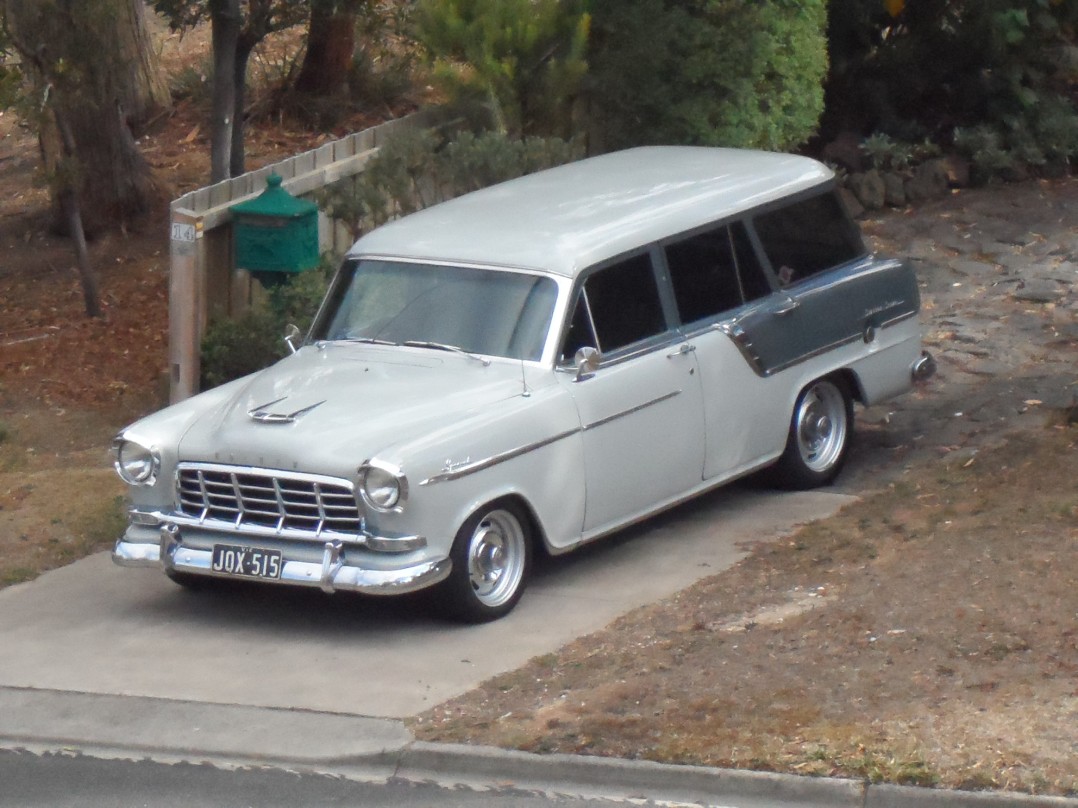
(568, 218)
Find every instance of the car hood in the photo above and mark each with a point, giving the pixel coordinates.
(327, 409)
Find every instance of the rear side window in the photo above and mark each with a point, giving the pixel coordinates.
(714, 271)
(807, 237)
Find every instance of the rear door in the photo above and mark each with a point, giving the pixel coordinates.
(831, 292)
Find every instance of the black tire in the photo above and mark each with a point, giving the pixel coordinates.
(821, 429)
(491, 557)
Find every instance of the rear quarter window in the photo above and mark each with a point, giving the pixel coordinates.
(808, 236)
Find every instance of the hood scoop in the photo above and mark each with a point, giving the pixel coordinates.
(266, 415)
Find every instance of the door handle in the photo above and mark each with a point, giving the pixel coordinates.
(684, 348)
(788, 305)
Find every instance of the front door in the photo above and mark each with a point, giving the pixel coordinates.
(641, 409)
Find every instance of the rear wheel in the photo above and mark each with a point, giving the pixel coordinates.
(491, 560)
(819, 436)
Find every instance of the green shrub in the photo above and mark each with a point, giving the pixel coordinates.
(708, 72)
(234, 347)
(934, 67)
(520, 61)
(419, 168)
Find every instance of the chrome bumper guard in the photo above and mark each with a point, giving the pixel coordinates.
(924, 368)
(331, 575)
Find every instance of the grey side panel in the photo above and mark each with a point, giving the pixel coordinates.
(824, 312)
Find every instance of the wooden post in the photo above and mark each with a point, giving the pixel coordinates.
(186, 309)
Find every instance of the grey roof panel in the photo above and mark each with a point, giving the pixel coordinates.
(573, 216)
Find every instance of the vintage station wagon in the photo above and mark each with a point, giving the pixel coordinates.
(528, 368)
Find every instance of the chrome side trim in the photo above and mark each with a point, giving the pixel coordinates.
(631, 410)
(455, 472)
(742, 342)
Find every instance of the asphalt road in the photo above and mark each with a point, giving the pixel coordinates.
(74, 781)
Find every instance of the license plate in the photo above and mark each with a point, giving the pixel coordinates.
(250, 562)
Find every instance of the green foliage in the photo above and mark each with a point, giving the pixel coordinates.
(10, 73)
(945, 64)
(382, 66)
(259, 15)
(707, 72)
(234, 347)
(418, 168)
(887, 154)
(521, 61)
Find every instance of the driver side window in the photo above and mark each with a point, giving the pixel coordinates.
(618, 306)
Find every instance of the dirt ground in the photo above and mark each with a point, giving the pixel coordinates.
(927, 634)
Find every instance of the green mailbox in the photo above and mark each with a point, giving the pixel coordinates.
(275, 234)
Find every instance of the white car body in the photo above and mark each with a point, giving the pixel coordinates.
(457, 455)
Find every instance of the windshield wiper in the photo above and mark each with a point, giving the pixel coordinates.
(371, 341)
(441, 346)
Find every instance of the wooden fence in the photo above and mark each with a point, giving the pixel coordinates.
(204, 283)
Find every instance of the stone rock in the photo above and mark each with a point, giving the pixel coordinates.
(957, 171)
(869, 189)
(1066, 59)
(845, 151)
(929, 181)
(1019, 172)
(853, 205)
(894, 190)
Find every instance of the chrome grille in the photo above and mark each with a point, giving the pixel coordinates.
(249, 497)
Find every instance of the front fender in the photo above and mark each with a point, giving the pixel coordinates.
(528, 446)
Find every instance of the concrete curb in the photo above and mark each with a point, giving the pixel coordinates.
(376, 749)
(622, 779)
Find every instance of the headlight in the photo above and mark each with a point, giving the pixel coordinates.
(383, 487)
(135, 463)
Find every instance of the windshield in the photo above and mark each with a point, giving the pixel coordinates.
(481, 311)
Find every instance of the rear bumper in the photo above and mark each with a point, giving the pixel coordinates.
(331, 574)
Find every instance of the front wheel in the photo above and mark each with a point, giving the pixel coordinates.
(819, 436)
(491, 560)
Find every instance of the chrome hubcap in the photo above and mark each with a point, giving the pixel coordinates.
(821, 426)
(496, 557)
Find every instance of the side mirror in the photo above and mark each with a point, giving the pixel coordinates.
(587, 361)
(292, 337)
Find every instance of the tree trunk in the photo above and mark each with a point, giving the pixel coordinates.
(83, 69)
(331, 45)
(143, 90)
(237, 160)
(227, 24)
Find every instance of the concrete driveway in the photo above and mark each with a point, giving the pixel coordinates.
(95, 628)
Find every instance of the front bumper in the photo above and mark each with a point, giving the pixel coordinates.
(331, 574)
